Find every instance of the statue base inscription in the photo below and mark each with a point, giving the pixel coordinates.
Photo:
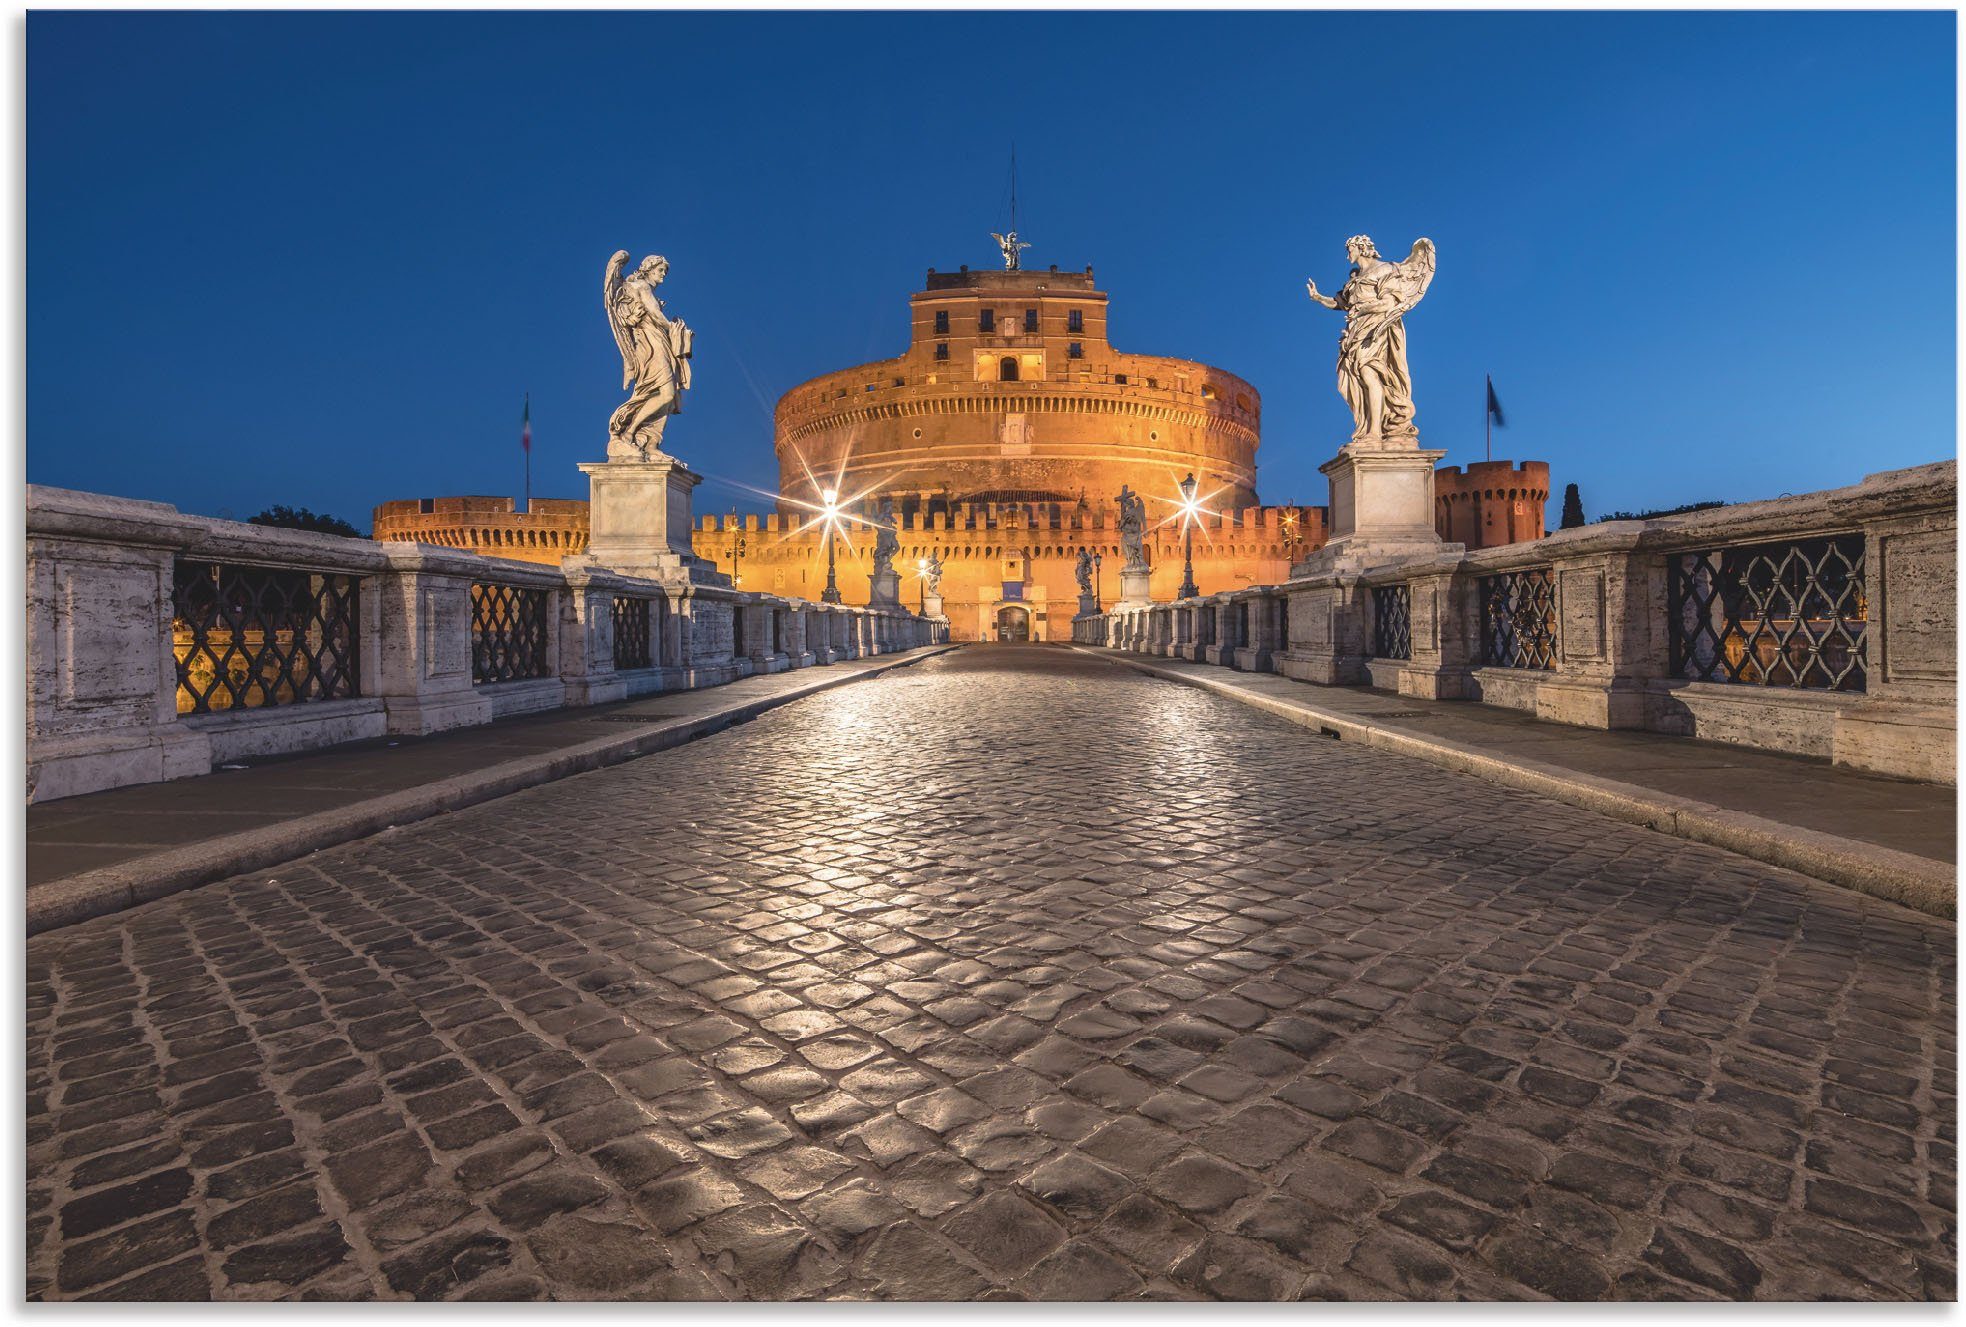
(639, 515)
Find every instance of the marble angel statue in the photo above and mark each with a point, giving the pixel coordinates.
(655, 356)
(1084, 571)
(1013, 250)
(1372, 373)
(1133, 529)
(886, 544)
(932, 574)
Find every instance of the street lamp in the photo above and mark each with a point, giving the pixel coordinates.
(831, 498)
(921, 570)
(1188, 509)
(1098, 597)
(736, 553)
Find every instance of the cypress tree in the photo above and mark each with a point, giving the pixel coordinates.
(1573, 508)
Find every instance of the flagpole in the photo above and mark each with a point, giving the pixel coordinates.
(1488, 421)
(528, 441)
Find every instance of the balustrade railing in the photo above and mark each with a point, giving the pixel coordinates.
(634, 641)
(508, 633)
(1518, 619)
(247, 637)
(1392, 622)
(1789, 614)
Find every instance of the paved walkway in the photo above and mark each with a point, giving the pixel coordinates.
(94, 854)
(1009, 973)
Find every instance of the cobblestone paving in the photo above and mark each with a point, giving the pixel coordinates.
(1011, 974)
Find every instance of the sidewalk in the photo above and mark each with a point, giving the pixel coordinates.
(98, 853)
(1888, 837)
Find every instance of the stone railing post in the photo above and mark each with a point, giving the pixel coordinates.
(423, 669)
(587, 634)
(101, 680)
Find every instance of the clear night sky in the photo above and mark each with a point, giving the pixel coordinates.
(317, 259)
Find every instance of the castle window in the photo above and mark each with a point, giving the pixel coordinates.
(1074, 351)
(1075, 321)
(1208, 391)
(1007, 370)
(1153, 383)
(427, 506)
(870, 386)
(942, 350)
(1030, 320)
(1120, 378)
(900, 382)
(942, 322)
(986, 321)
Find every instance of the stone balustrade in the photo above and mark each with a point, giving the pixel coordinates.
(161, 645)
(1820, 625)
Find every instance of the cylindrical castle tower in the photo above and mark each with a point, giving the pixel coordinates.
(1010, 392)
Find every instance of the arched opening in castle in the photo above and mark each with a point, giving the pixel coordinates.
(1002, 435)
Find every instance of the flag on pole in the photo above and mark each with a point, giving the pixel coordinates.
(1495, 406)
(525, 421)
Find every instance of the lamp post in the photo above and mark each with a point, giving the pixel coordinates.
(921, 571)
(736, 554)
(831, 594)
(1098, 595)
(1188, 588)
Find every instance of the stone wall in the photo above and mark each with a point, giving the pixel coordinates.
(161, 644)
(1829, 631)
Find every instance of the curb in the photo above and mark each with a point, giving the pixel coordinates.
(1921, 883)
(97, 893)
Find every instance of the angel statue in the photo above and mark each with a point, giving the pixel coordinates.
(1084, 571)
(886, 545)
(1133, 529)
(932, 575)
(1372, 375)
(1012, 247)
(655, 355)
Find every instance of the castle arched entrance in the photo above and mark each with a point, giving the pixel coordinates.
(1014, 623)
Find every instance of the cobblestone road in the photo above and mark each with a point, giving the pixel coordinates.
(1011, 974)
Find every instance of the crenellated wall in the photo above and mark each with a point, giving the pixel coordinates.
(1490, 503)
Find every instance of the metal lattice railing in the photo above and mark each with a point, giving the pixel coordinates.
(508, 633)
(1518, 619)
(249, 637)
(634, 645)
(1392, 622)
(1788, 614)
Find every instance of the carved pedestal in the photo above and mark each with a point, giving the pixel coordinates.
(639, 518)
(1133, 588)
(1382, 504)
(1088, 605)
(884, 589)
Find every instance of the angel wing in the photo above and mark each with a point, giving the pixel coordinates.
(610, 291)
(1412, 277)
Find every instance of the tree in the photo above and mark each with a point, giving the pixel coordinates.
(299, 518)
(1573, 508)
(1663, 511)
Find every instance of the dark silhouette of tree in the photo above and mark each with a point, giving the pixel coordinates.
(1663, 511)
(299, 518)
(1573, 508)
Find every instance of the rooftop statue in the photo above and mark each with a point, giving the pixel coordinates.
(1012, 249)
(933, 574)
(1133, 529)
(1372, 374)
(655, 355)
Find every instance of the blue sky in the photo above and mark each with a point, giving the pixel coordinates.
(318, 258)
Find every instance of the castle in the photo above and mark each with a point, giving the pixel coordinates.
(998, 442)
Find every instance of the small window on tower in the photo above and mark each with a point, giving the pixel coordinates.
(942, 322)
(986, 321)
(1075, 321)
(427, 506)
(1120, 378)
(1074, 351)
(1030, 320)
(942, 350)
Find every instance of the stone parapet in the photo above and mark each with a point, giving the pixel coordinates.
(1673, 625)
(161, 643)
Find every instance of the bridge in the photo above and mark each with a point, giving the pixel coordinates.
(1567, 919)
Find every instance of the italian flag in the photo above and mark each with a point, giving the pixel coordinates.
(525, 425)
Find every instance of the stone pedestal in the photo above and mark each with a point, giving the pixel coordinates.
(1382, 506)
(1088, 605)
(931, 605)
(884, 589)
(639, 519)
(1134, 591)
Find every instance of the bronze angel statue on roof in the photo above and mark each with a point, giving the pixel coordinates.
(655, 355)
(1372, 374)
